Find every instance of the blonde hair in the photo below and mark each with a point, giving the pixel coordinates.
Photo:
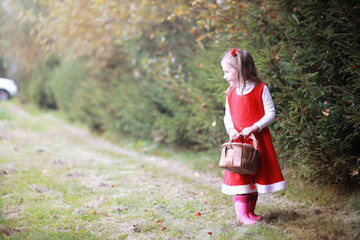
(244, 64)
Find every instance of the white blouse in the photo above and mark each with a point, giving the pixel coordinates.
(269, 108)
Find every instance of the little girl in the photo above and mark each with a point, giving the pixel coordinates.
(249, 109)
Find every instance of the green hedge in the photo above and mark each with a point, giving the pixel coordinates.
(39, 89)
(173, 92)
(308, 55)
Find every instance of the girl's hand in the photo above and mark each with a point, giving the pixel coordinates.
(233, 134)
(249, 130)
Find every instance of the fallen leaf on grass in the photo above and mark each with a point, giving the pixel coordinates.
(58, 162)
(120, 208)
(135, 228)
(103, 184)
(75, 174)
(40, 189)
(165, 197)
(8, 170)
(198, 214)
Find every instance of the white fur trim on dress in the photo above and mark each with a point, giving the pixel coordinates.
(243, 189)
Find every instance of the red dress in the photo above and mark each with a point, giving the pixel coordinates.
(245, 111)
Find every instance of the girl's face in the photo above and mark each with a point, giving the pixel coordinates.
(230, 73)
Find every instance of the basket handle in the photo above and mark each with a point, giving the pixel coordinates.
(255, 142)
(252, 136)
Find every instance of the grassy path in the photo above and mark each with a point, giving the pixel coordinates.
(58, 181)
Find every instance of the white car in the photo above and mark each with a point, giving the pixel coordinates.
(8, 89)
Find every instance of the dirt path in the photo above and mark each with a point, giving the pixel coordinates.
(128, 195)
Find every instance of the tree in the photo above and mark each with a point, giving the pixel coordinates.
(153, 71)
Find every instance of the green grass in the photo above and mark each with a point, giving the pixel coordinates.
(60, 182)
(321, 195)
(207, 161)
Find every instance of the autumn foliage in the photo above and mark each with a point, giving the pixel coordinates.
(151, 69)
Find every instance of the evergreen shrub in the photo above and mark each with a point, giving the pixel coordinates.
(66, 82)
(169, 87)
(90, 104)
(308, 52)
(313, 69)
(39, 90)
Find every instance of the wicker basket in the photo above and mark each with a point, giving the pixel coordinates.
(241, 158)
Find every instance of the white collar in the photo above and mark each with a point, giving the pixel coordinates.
(248, 88)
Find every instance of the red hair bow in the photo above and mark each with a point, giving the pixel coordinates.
(233, 52)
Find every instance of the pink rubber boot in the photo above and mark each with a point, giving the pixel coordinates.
(241, 203)
(252, 205)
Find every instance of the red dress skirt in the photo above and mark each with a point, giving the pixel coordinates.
(245, 111)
